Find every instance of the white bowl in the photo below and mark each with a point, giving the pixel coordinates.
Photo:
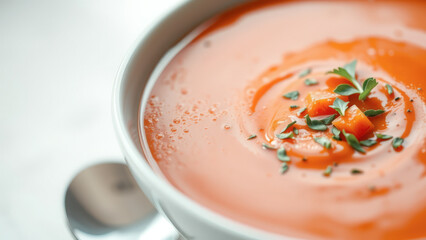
(193, 220)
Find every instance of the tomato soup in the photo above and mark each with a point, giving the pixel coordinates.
(301, 118)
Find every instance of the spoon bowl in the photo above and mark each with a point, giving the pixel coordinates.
(104, 202)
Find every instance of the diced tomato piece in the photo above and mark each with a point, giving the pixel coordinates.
(354, 122)
(318, 102)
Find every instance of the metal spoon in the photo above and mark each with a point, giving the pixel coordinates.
(104, 202)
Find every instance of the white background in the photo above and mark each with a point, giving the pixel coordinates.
(58, 61)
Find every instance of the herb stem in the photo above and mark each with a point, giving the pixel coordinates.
(357, 85)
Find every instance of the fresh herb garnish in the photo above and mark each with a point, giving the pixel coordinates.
(340, 106)
(294, 106)
(310, 81)
(356, 171)
(367, 86)
(336, 133)
(323, 141)
(288, 126)
(315, 124)
(345, 90)
(353, 142)
(328, 120)
(397, 142)
(373, 113)
(282, 155)
(327, 172)
(267, 146)
(295, 131)
(383, 136)
(389, 88)
(252, 136)
(294, 95)
(284, 168)
(305, 72)
(348, 72)
(283, 136)
(301, 111)
(368, 142)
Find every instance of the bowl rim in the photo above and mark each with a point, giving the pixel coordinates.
(141, 164)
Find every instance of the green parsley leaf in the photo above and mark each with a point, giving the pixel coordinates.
(325, 142)
(348, 72)
(294, 106)
(356, 171)
(294, 95)
(328, 120)
(282, 155)
(283, 136)
(345, 90)
(301, 111)
(367, 86)
(383, 136)
(267, 146)
(252, 136)
(305, 72)
(340, 106)
(373, 113)
(284, 168)
(310, 81)
(288, 126)
(295, 131)
(353, 142)
(368, 142)
(336, 133)
(327, 172)
(389, 88)
(315, 124)
(396, 142)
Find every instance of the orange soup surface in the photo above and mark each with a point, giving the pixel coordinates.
(305, 119)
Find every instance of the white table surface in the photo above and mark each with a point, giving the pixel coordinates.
(58, 61)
